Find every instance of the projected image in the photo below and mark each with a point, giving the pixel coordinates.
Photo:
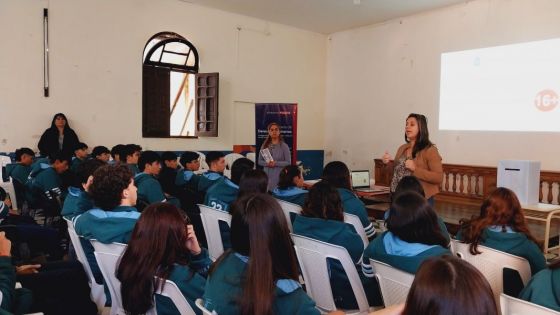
(504, 88)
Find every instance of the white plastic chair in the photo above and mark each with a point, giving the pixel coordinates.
(312, 256)
(355, 221)
(514, 306)
(210, 218)
(9, 185)
(394, 283)
(107, 256)
(97, 293)
(251, 156)
(230, 158)
(287, 208)
(171, 291)
(200, 304)
(491, 264)
(203, 165)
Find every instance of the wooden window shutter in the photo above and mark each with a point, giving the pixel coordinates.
(155, 102)
(207, 86)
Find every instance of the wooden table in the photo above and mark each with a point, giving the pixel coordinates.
(544, 213)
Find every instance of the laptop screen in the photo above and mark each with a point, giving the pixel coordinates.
(360, 179)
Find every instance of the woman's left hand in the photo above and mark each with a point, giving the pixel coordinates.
(192, 241)
(410, 165)
(271, 164)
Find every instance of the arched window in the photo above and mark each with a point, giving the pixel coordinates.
(177, 101)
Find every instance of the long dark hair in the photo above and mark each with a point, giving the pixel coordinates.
(252, 182)
(500, 208)
(268, 139)
(448, 285)
(323, 201)
(53, 125)
(156, 245)
(259, 230)
(413, 220)
(287, 175)
(423, 138)
(338, 174)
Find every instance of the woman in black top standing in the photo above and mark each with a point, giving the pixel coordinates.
(58, 138)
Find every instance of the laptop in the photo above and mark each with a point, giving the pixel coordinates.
(360, 181)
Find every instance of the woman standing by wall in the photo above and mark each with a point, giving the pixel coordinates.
(280, 153)
(58, 138)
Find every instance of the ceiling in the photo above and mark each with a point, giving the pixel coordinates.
(326, 16)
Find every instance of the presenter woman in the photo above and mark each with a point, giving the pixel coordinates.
(417, 157)
(58, 138)
(280, 153)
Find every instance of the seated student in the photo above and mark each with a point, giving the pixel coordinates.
(186, 176)
(544, 287)
(168, 173)
(337, 174)
(217, 164)
(129, 156)
(116, 153)
(411, 183)
(446, 285)
(290, 186)
(174, 255)
(80, 155)
(225, 191)
(501, 225)
(20, 170)
(101, 153)
(16, 301)
(322, 218)
(413, 235)
(114, 216)
(149, 189)
(253, 182)
(78, 201)
(260, 274)
(46, 183)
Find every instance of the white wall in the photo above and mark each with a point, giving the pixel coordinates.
(95, 60)
(379, 74)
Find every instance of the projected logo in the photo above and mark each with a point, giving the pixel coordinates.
(546, 100)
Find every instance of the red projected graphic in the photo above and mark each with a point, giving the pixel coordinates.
(546, 100)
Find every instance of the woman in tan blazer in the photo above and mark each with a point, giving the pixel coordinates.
(418, 157)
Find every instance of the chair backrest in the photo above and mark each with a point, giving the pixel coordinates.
(355, 221)
(491, 264)
(200, 304)
(287, 208)
(108, 256)
(230, 158)
(171, 291)
(394, 283)
(252, 156)
(312, 256)
(210, 218)
(203, 164)
(514, 306)
(97, 292)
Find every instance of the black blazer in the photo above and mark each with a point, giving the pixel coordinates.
(48, 144)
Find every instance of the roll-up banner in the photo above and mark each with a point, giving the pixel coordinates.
(283, 114)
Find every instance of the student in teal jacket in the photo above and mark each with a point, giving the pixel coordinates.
(322, 219)
(149, 188)
(129, 155)
(290, 186)
(259, 275)
(20, 170)
(413, 235)
(501, 225)
(544, 288)
(411, 183)
(217, 164)
(225, 191)
(14, 301)
(190, 161)
(46, 183)
(78, 200)
(337, 174)
(80, 156)
(114, 216)
(174, 255)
